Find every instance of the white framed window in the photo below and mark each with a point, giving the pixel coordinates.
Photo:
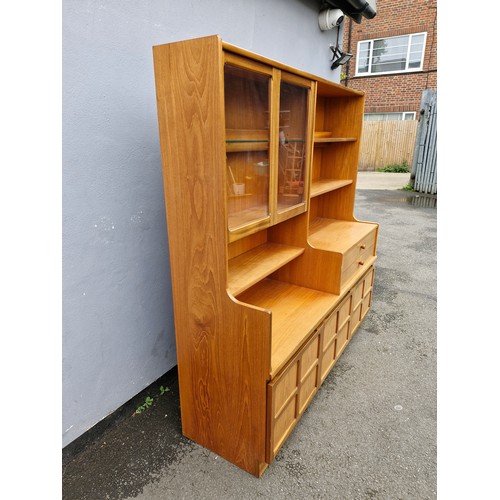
(405, 115)
(396, 54)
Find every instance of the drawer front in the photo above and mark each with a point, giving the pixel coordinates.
(361, 251)
(289, 394)
(349, 272)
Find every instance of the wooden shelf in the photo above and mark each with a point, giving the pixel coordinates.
(250, 267)
(239, 195)
(325, 140)
(243, 146)
(240, 140)
(243, 217)
(296, 313)
(337, 235)
(321, 186)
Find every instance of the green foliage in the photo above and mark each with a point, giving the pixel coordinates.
(398, 168)
(148, 402)
(163, 390)
(408, 187)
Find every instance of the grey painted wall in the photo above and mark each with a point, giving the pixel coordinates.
(118, 330)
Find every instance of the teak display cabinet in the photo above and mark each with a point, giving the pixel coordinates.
(271, 272)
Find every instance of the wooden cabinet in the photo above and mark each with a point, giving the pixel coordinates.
(271, 272)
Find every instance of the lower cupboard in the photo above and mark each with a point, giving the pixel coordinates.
(291, 391)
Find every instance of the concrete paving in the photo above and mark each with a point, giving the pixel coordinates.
(382, 180)
(370, 431)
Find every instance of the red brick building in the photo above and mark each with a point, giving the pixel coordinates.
(394, 57)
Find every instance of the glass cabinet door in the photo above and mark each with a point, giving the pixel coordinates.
(247, 105)
(293, 134)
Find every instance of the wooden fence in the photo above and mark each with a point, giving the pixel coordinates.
(386, 142)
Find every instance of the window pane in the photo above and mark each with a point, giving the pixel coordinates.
(363, 57)
(382, 116)
(416, 51)
(389, 54)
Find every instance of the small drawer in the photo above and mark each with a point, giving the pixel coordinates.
(361, 251)
(349, 272)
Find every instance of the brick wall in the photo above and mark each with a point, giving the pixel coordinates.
(400, 91)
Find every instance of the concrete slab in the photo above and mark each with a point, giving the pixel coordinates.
(382, 180)
(370, 431)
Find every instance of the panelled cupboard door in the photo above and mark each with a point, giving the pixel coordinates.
(290, 393)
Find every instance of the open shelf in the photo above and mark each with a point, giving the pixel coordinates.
(321, 186)
(296, 313)
(291, 327)
(326, 140)
(247, 269)
(337, 235)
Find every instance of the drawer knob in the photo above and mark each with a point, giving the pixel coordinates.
(362, 246)
(361, 262)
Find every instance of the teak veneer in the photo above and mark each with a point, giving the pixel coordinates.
(271, 272)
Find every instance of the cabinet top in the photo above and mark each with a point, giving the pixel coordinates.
(325, 87)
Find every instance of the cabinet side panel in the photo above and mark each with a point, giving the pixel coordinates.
(223, 348)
